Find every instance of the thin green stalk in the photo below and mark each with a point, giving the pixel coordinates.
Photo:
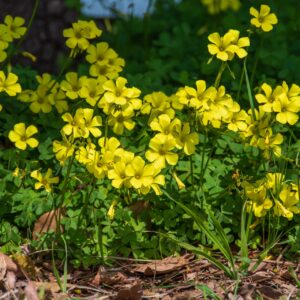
(219, 76)
(240, 85)
(249, 91)
(192, 172)
(256, 60)
(61, 72)
(202, 160)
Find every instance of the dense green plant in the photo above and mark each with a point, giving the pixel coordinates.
(181, 155)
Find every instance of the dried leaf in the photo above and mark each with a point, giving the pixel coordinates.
(10, 265)
(133, 292)
(2, 268)
(163, 266)
(261, 276)
(11, 279)
(46, 223)
(30, 292)
(269, 293)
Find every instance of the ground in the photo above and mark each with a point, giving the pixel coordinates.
(184, 277)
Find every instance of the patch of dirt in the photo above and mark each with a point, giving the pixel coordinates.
(178, 278)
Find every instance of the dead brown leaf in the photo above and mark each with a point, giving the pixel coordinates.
(2, 268)
(10, 265)
(30, 291)
(11, 280)
(261, 276)
(163, 266)
(133, 292)
(46, 223)
(269, 293)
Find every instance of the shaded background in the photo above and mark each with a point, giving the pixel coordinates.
(167, 48)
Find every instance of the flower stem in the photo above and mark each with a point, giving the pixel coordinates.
(219, 76)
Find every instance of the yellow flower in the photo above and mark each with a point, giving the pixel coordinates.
(227, 46)
(5, 37)
(238, 121)
(92, 90)
(259, 202)
(63, 150)
(22, 136)
(220, 45)
(216, 6)
(58, 98)
(85, 155)
(14, 26)
(100, 54)
(270, 144)
(121, 120)
(274, 181)
(118, 93)
(160, 151)
(9, 84)
(263, 19)
(237, 44)
(194, 97)
(40, 101)
(286, 109)
(155, 104)
(75, 126)
(141, 175)
(289, 199)
(91, 123)
(118, 175)
(44, 180)
(158, 179)
(186, 140)
(165, 125)
(72, 85)
(80, 33)
(267, 99)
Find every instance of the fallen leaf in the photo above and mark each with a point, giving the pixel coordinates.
(10, 265)
(163, 266)
(2, 268)
(269, 293)
(46, 223)
(133, 292)
(246, 291)
(261, 276)
(30, 292)
(11, 280)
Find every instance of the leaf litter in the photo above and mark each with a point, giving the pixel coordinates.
(183, 277)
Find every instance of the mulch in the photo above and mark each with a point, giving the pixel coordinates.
(180, 278)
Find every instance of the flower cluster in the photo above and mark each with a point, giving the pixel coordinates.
(10, 30)
(79, 35)
(275, 192)
(104, 61)
(123, 168)
(213, 106)
(47, 95)
(216, 6)
(283, 101)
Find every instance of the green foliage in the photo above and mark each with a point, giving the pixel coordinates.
(213, 210)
